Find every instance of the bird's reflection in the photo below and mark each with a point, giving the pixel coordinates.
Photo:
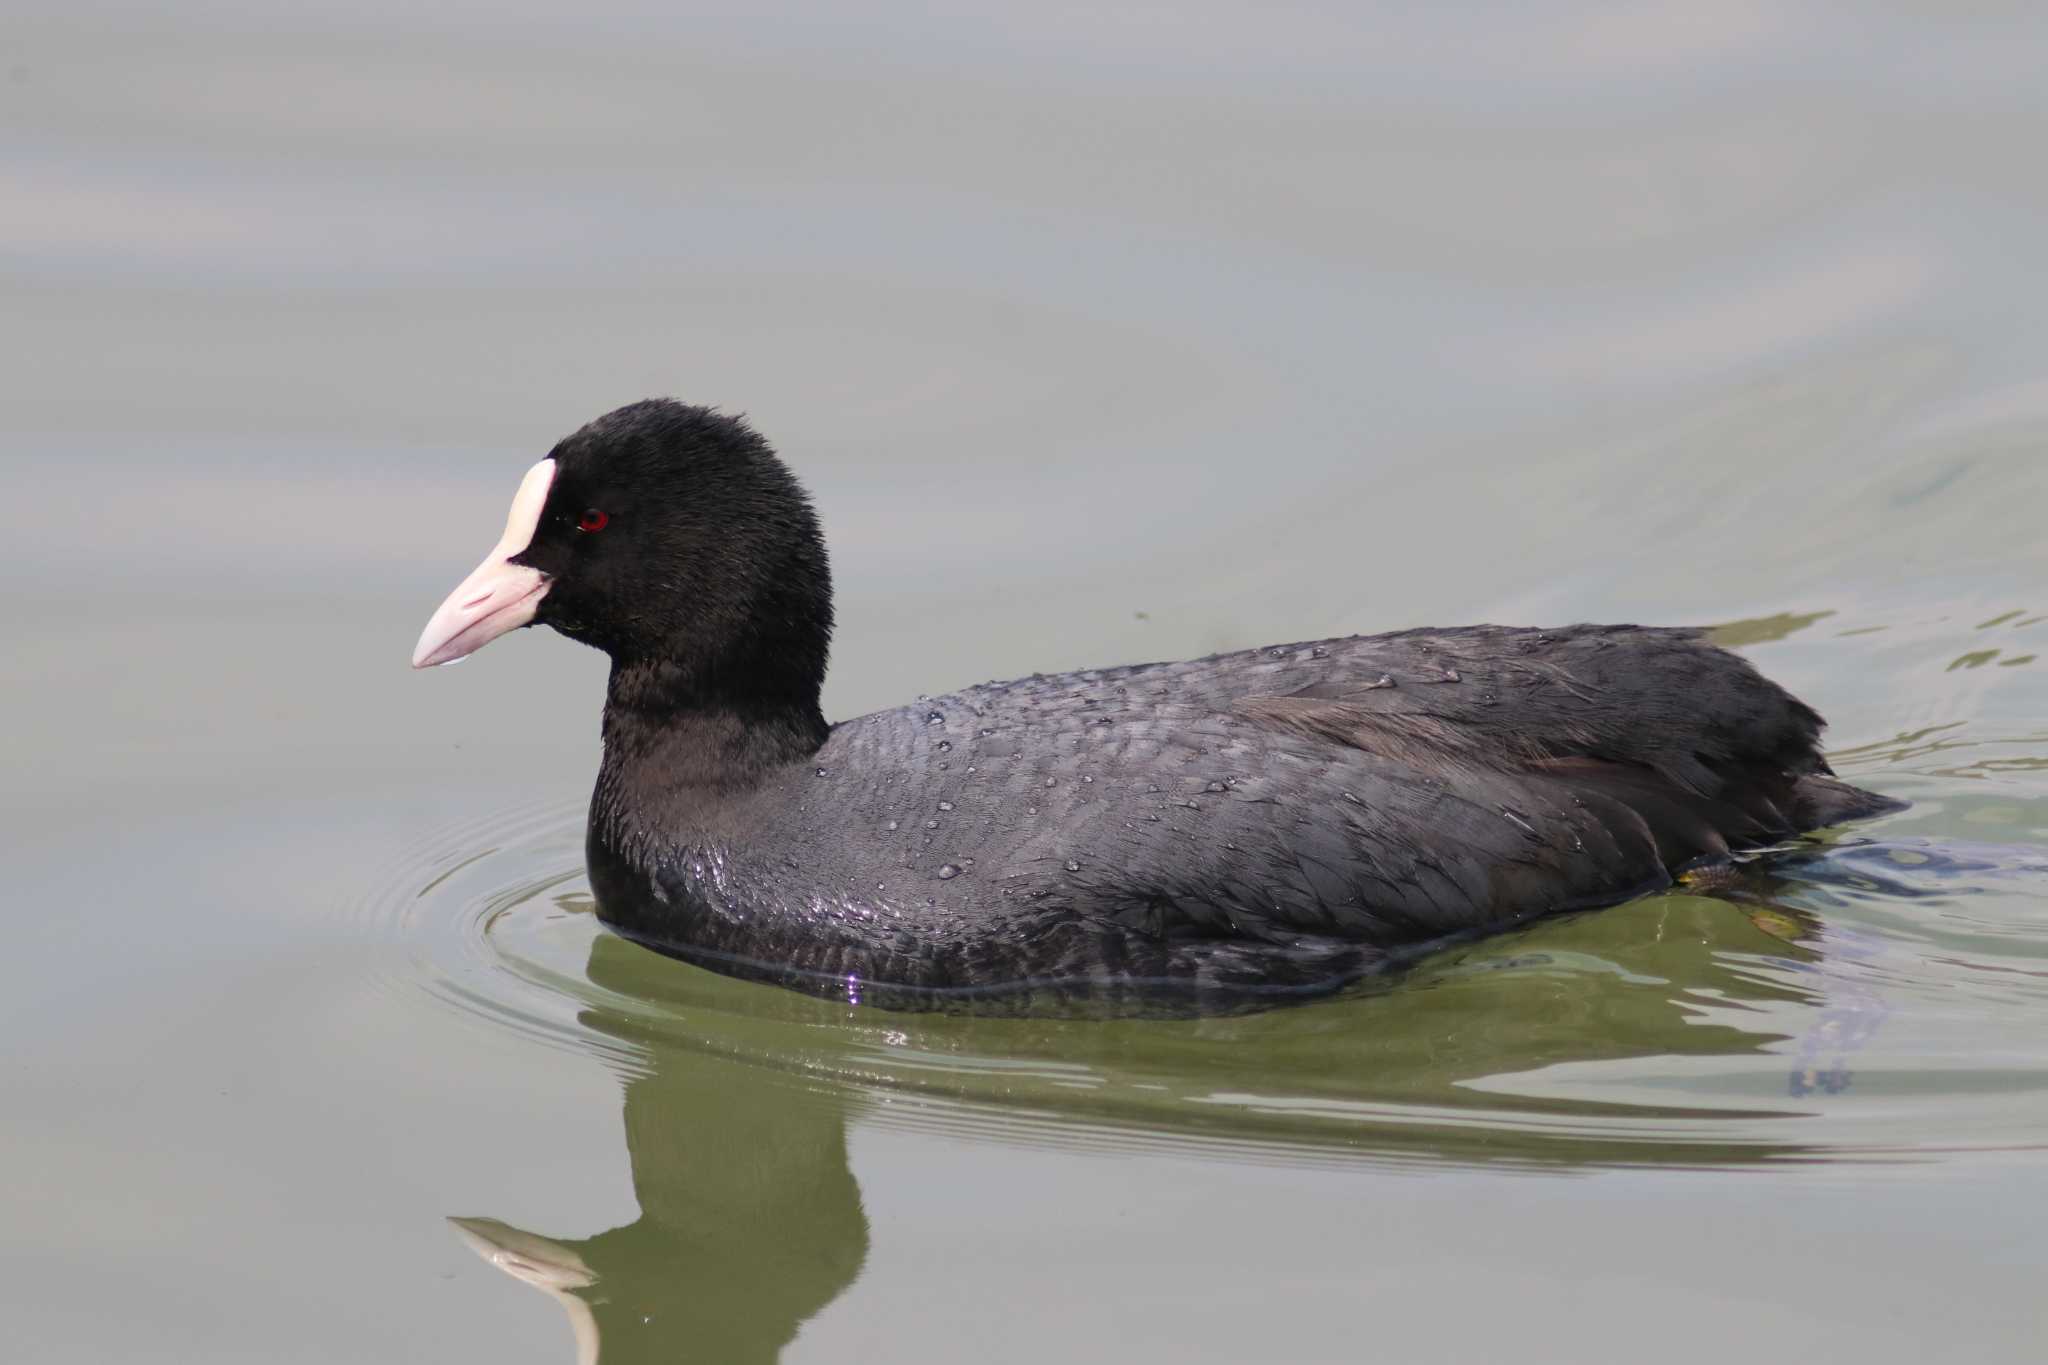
(751, 1221)
(750, 1218)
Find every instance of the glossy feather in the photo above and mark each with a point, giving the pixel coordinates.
(1283, 819)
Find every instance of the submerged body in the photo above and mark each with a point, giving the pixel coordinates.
(1280, 820)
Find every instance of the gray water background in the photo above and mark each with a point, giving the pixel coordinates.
(1098, 337)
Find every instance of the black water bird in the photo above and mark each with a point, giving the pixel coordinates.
(1245, 826)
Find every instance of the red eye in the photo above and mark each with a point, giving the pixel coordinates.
(592, 520)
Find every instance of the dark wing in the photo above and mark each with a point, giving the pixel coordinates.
(1678, 750)
(1659, 699)
(1408, 787)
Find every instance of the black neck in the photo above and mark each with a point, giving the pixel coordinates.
(721, 730)
(677, 741)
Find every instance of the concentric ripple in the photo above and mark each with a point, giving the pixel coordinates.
(1831, 1004)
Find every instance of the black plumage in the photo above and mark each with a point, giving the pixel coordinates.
(1246, 826)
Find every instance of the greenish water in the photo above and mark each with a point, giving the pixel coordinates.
(1098, 339)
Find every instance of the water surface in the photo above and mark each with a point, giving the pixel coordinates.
(1098, 339)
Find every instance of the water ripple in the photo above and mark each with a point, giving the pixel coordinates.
(1829, 1007)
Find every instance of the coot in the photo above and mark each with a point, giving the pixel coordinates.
(1251, 825)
